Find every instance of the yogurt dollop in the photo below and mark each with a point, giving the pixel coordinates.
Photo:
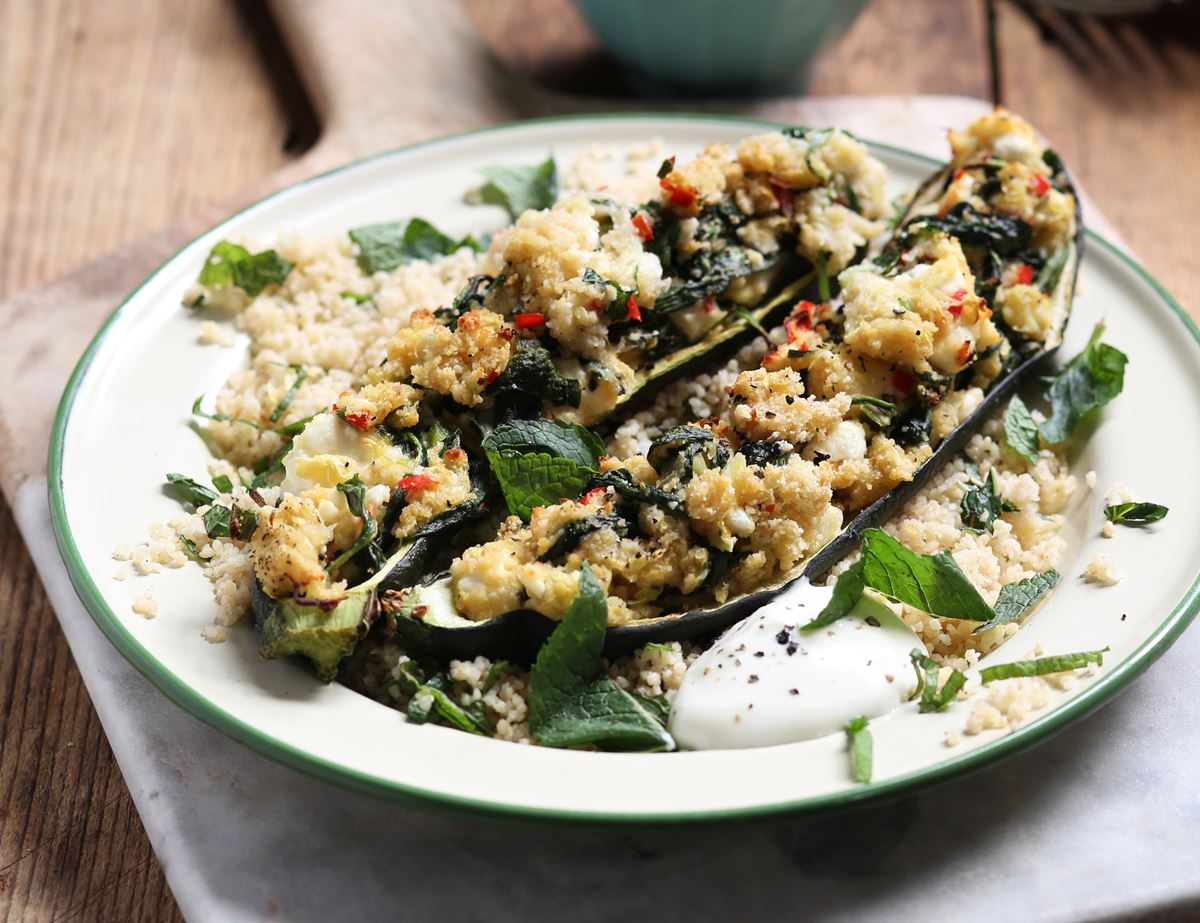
(765, 682)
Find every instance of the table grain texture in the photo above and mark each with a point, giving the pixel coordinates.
(117, 118)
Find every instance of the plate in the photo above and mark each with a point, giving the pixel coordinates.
(123, 420)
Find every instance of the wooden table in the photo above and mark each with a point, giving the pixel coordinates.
(117, 118)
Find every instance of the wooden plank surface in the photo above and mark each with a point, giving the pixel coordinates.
(1120, 99)
(117, 118)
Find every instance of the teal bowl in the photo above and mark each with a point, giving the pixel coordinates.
(718, 47)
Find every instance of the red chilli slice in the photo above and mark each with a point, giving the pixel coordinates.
(644, 228)
(414, 482)
(1039, 184)
(635, 313)
(532, 319)
(1024, 274)
(360, 421)
(956, 302)
(683, 196)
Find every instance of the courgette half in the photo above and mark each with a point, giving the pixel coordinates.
(327, 636)
(518, 635)
(716, 344)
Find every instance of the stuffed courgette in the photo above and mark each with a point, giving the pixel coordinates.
(857, 403)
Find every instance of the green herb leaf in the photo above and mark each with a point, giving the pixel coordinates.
(355, 492)
(846, 593)
(1087, 382)
(572, 701)
(560, 439)
(218, 267)
(356, 297)
(656, 705)
(383, 247)
(981, 505)
(254, 273)
(1017, 598)
(216, 521)
(861, 750)
(934, 699)
(931, 583)
(530, 379)
(1042, 665)
(242, 523)
(190, 549)
(519, 189)
(536, 479)
(290, 429)
(185, 490)
(290, 395)
(1021, 430)
(223, 484)
(1135, 512)
(1050, 273)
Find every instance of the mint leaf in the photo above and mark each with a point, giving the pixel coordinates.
(931, 583)
(861, 749)
(355, 492)
(932, 698)
(383, 247)
(254, 273)
(519, 189)
(1017, 598)
(1021, 430)
(572, 701)
(1042, 665)
(846, 594)
(536, 479)
(216, 521)
(286, 401)
(1087, 382)
(1135, 512)
(185, 490)
(218, 266)
(562, 440)
(223, 483)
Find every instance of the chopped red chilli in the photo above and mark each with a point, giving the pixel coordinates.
(644, 228)
(414, 482)
(533, 319)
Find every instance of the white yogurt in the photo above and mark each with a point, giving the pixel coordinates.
(765, 682)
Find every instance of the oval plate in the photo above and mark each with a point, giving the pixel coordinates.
(123, 423)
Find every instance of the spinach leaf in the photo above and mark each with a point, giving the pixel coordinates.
(577, 530)
(560, 439)
(622, 481)
(1017, 598)
(290, 395)
(981, 505)
(531, 379)
(519, 189)
(861, 749)
(1086, 383)
(383, 247)
(706, 274)
(185, 490)
(1135, 512)
(254, 273)
(999, 233)
(932, 583)
(934, 699)
(1042, 665)
(355, 492)
(1021, 430)
(572, 701)
(676, 450)
(765, 452)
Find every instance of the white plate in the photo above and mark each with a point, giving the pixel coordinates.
(122, 424)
